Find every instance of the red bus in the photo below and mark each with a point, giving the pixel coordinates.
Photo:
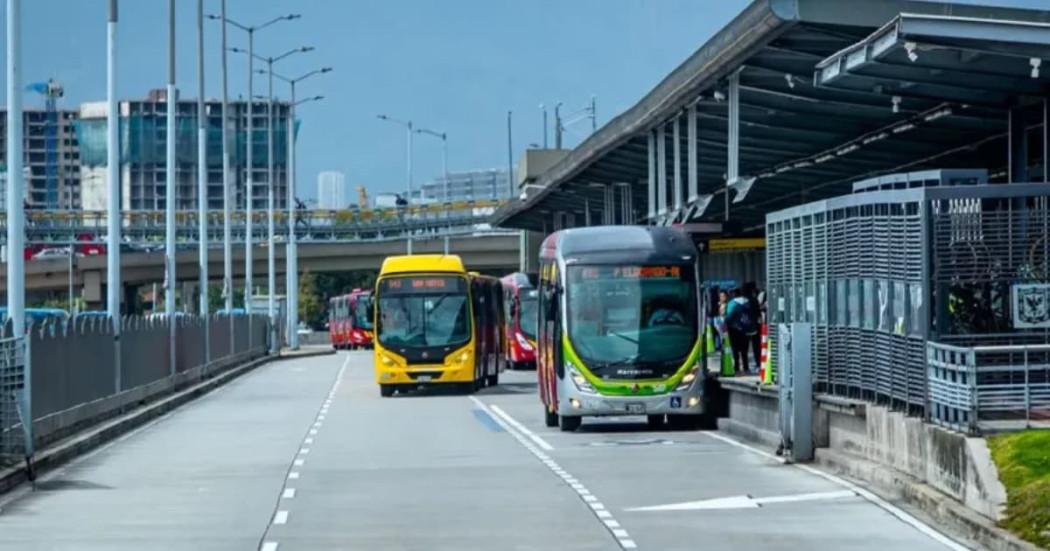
(350, 320)
(520, 298)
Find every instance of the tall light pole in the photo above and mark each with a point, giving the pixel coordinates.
(16, 215)
(202, 184)
(227, 231)
(271, 230)
(113, 283)
(292, 247)
(408, 199)
(250, 186)
(444, 167)
(170, 281)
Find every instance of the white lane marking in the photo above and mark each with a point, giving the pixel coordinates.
(289, 493)
(529, 443)
(308, 441)
(299, 462)
(268, 546)
(893, 510)
(514, 423)
(293, 475)
(744, 501)
(313, 432)
(304, 451)
(281, 517)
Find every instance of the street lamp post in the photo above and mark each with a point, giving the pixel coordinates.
(444, 167)
(15, 179)
(271, 233)
(292, 247)
(169, 195)
(249, 179)
(408, 199)
(113, 285)
(202, 186)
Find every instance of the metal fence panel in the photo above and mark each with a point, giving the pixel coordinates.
(14, 443)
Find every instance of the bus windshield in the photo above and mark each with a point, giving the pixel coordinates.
(528, 317)
(423, 311)
(363, 312)
(632, 322)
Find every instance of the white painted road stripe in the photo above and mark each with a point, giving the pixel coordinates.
(281, 517)
(876, 500)
(524, 436)
(293, 475)
(268, 546)
(532, 436)
(299, 462)
(289, 493)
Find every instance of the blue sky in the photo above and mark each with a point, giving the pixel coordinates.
(450, 65)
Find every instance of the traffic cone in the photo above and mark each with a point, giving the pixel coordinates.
(728, 370)
(763, 368)
(709, 338)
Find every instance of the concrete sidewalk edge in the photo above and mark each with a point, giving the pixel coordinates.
(89, 439)
(941, 508)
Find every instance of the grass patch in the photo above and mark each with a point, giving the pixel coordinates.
(1023, 459)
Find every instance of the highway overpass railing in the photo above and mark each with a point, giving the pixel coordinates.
(68, 375)
(925, 292)
(64, 227)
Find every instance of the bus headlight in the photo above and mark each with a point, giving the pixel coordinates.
(523, 342)
(687, 381)
(387, 360)
(579, 380)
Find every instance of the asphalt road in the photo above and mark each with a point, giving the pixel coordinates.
(304, 454)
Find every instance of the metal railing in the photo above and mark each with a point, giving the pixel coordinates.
(84, 227)
(15, 442)
(980, 388)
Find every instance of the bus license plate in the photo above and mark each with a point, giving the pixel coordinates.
(423, 379)
(636, 408)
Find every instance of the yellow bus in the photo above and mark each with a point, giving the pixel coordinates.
(436, 324)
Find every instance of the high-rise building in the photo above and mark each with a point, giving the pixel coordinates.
(143, 161)
(52, 170)
(331, 190)
(467, 186)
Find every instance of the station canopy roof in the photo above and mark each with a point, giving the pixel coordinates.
(831, 92)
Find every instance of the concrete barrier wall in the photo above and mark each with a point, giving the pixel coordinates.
(950, 462)
(74, 366)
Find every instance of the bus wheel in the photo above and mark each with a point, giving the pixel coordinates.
(492, 380)
(569, 423)
(654, 421)
(386, 391)
(549, 417)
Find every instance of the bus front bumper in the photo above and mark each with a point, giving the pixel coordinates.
(571, 402)
(424, 374)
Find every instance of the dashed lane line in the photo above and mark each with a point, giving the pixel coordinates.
(597, 508)
(280, 516)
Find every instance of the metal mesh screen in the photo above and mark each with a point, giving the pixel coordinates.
(12, 396)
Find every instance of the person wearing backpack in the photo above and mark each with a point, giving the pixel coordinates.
(740, 320)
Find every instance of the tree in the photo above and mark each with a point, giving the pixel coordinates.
(311, 309)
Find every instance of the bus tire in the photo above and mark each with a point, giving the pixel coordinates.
(550, 418)
(654, 421)
(569, 423)
(386, 391)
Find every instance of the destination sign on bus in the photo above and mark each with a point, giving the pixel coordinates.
(410, 285)
(631, 272)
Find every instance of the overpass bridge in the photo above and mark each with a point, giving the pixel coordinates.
(145, 229)
(487, 251)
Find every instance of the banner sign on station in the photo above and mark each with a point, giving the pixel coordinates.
(736, 244)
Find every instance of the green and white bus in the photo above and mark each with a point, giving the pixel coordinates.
(620, 326)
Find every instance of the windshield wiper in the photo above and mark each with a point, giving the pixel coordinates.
(624, 337)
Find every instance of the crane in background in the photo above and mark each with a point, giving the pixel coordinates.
(51, 91)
